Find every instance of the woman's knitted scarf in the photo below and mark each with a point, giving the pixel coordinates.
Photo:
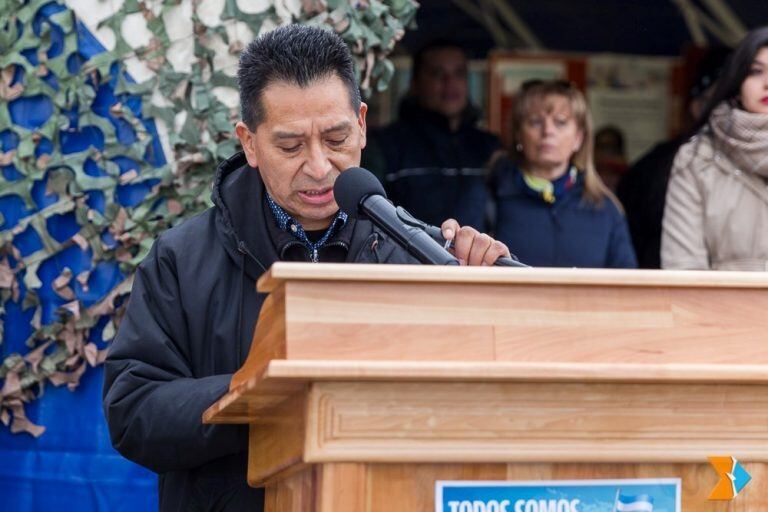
(742, 136)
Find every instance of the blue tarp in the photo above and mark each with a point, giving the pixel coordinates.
(72, 466)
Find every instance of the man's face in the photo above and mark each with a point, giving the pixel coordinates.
(308, 137)
(441, 84)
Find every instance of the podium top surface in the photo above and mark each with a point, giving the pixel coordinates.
(281, 272)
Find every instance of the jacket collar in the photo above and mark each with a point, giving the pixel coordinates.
(238, 194)
(246, 226)
(283, 241)
(507, 180)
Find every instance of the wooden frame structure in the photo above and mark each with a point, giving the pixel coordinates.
(365, 384)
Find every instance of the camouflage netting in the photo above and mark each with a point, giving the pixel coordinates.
(84, 183)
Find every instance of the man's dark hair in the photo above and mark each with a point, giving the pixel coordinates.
(295, 54)
(420, 58)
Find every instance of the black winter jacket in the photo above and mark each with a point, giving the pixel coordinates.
(433, 172)
(188, 328)
(643, 192)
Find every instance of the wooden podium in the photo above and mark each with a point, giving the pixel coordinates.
(367, 383)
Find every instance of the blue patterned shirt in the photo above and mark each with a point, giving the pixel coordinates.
(290, 225)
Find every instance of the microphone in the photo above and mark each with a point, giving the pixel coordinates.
(437, 235)
(359, 194)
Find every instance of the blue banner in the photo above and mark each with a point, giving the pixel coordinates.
(631, 495)
(72, 467)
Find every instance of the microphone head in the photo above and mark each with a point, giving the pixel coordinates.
(354, 185)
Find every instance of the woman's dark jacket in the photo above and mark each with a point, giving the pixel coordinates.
(571, 232)
(643, 192)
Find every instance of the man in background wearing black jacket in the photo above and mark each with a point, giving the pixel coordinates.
(194, 305)
(433, 159)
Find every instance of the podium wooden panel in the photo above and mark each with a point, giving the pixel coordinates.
(366, 384)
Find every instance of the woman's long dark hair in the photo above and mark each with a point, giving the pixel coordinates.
(736, 70)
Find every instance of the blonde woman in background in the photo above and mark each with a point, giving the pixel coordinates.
(552, 209)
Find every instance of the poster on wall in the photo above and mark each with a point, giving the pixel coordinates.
(625, 495)
(515, 74)
(632, 94)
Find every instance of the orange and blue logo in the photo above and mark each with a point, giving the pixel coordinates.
(733, 478)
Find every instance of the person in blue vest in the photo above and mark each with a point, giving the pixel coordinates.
(551, 205)
(433, 159)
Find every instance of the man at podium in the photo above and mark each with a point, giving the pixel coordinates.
(194, 304)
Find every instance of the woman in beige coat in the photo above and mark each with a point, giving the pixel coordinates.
(716, 214)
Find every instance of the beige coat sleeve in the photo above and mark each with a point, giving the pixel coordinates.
(683, 244)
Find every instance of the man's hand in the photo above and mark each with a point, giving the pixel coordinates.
(472, 247)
